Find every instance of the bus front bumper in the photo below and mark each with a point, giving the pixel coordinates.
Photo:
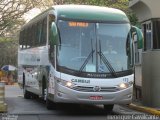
(67, 95)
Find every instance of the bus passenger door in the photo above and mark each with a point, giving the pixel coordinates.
(52, 42)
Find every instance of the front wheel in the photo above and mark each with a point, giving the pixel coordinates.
(108, 108)
(27, 95)
(50, 105)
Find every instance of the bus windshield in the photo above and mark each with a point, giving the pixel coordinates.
(94, 47)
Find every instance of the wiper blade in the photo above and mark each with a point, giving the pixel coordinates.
(86, 61)
(108, 65)
(106, 62)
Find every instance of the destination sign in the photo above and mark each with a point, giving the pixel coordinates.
(78, 24)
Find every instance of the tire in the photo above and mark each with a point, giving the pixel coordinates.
(23, 84)
(51, 105)
(34, 96)
(44, 89)
(27, 95)
(108, 108)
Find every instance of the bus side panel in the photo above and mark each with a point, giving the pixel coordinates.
(33, 62)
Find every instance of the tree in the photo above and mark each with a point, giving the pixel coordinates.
(11, 19)
(11, 12)
(11, 15)
(120, 4)
(8, 48)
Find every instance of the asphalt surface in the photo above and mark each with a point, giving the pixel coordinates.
(35, 109)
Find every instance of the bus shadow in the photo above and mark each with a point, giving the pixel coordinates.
(82, 110)
(77, 109)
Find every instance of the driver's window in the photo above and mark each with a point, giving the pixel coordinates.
(129, 50)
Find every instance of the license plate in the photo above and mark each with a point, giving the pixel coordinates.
(96, 97)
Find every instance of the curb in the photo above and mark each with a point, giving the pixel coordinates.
(144, 109)
(3, 107)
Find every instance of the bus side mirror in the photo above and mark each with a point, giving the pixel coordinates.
(53, 37)
(54, 32)
(137, 35)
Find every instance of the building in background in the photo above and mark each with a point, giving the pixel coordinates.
(149, 77)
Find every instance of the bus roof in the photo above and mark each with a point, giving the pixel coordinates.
(88, 12)
(84, 12)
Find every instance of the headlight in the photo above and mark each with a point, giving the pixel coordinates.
(68, 84)
(125, 85)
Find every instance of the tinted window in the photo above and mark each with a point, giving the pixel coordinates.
(156, 34)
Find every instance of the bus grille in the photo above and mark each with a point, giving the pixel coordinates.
(91, 89)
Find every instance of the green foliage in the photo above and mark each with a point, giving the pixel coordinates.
(133, 19)
(8, 48)
(119, 4)
(3, 39)
(12, 11)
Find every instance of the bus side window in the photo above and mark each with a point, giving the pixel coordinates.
(129, 50)
(36, 36)
(33, 37)
(24, 39)
(29, 38)
(44, 32)
(20, 40)
(51, 40)
(39, 33)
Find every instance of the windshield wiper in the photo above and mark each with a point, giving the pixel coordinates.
(87, 59)
(106, 62)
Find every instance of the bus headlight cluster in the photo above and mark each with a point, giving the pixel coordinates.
(125, 85)
(68, 84)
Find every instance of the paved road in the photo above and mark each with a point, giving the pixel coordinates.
(34, 109)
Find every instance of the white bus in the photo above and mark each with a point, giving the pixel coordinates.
(77, 54)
